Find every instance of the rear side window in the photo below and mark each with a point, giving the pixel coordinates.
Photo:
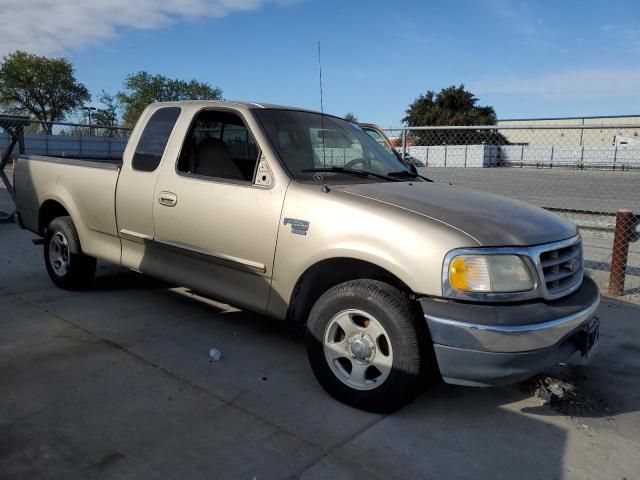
(154, 139)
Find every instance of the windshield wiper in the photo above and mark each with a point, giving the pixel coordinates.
(409, 173)
(351, 171)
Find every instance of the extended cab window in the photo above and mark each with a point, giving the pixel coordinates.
(219, 145)
(154, 139)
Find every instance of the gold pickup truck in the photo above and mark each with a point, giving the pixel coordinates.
(304, 217)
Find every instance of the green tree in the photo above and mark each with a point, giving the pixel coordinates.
(108, 114)
(350, 117)
(142, 88)
(451, 106)
(45, 88)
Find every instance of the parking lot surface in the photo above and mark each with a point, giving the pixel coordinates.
(117, 382)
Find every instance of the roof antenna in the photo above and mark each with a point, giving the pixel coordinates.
(325, 188)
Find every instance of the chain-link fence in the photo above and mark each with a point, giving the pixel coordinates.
(63, 139)
(587, 174)
(21, 135)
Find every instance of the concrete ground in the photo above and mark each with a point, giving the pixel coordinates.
(116, 382)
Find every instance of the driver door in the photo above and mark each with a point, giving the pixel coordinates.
(216, 225)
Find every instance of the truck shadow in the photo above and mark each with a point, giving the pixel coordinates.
(114, 278)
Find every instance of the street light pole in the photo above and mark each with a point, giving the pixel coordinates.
(88, 110)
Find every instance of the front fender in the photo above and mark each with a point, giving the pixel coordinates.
(408, 246)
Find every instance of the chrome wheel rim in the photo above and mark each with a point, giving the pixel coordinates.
(358, 349)
(59, 254)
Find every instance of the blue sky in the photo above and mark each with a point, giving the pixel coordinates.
(526, 58)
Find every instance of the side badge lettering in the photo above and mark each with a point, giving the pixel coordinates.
(299, 227)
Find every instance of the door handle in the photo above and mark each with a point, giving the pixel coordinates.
(168, 199)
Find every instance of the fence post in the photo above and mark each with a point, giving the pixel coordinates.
(521, 155)
(465, 155)
(621, 239)
(404, 143)
(21, 142)
(445, 155)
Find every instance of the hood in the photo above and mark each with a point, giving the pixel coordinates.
(492, 220)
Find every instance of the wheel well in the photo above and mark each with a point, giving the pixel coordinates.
(48, 211)
(320, 277)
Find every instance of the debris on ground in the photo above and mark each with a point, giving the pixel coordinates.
(552, 390)
(569, 395)
(215, 354)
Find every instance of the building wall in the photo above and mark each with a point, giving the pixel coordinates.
(572, 137)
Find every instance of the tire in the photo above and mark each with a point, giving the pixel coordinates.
(67, 266)
(362, 324)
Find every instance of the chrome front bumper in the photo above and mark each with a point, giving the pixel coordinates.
(509, 338)
(501, 343)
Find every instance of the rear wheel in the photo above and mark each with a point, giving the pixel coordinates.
(364, 347)
(67, 266)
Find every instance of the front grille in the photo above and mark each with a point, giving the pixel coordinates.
(562, 268)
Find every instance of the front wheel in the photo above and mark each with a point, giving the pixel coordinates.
(364, 347)
(67, 266)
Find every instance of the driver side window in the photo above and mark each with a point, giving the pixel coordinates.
(219, 145)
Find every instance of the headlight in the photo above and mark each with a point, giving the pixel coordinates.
(488, 274)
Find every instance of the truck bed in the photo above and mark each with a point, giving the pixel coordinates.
(86, 189)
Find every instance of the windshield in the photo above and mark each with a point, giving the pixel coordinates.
(306, 141)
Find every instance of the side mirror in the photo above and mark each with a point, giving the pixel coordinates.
(411, 167)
